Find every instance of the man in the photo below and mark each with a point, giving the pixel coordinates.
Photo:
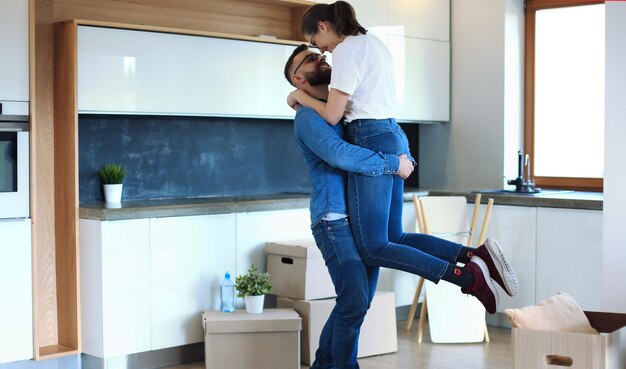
(325, 152)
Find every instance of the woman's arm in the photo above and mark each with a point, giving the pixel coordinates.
(332, 111)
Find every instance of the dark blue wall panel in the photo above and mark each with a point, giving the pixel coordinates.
(178, 157)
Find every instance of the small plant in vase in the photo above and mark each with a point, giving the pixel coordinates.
(112, 178)
(253, 286)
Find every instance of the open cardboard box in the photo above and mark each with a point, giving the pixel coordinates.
(534, 349)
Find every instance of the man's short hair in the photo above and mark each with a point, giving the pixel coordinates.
(297, 51)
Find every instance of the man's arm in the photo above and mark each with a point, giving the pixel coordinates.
(324, 141)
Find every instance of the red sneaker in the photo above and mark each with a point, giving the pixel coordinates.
(482, 288)
(500, 271)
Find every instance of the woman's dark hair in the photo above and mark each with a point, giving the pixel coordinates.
(340, 14)
(297, 51)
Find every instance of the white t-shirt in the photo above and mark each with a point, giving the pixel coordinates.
(363, 68)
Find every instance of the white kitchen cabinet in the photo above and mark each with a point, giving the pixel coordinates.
(256, 228)
(16, 303)
(13, 53)
(569, 255)
(188, 259)
(115, 287)
(514, 227)
(139, 72)
(425, 19)
(422, 77)
(372, 14)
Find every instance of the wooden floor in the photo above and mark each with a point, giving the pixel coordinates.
(493, 355)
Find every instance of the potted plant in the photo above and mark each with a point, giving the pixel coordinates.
(112, 178)
(253, 286)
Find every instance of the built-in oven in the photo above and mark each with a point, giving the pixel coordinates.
(14, 167)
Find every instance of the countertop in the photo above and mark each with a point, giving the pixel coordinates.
(282, 201)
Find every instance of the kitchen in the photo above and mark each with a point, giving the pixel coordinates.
(51, 188)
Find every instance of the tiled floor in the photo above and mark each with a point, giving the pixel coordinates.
(493, 355)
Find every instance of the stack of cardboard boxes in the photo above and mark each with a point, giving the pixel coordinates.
(301, 281)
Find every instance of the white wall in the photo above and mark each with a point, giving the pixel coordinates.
(614, 298)
(487, 56)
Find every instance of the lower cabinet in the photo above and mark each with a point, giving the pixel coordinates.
(115, 287)
(188, 259)
(551, 250)
(514, 227)
(16, 314)
(569, 255)
(145, 282)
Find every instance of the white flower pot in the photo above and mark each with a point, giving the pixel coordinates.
(113, 193)
(254, 304)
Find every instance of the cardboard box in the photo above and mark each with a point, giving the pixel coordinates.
(378, 332)
(298, 271)
(533, 349)
(239, 340)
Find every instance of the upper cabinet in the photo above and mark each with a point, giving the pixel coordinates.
(417, 33)
(139, 72)
(13, 53)
(427, 19)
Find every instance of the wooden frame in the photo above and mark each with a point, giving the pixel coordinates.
(586, 184)
(54, 127)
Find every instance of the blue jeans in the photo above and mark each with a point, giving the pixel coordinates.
(355, 284)
(375, 207)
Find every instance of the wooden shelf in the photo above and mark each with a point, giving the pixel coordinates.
(49, 352)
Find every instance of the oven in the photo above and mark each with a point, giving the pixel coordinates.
(14, 167)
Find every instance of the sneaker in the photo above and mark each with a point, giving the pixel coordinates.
(482, 288)
(500, 271)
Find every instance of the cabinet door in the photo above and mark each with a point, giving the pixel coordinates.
(373, 15)
(16, 332)
(188, 258)
(569, 255)
(115, 287)
(14, 54)
(426, 19)
(254, 229)
(514, 227)
(422, 76)
(125, 71)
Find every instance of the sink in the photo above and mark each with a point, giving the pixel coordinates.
(531, 194)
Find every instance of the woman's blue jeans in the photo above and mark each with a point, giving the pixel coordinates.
(355, 284)
(375, 207)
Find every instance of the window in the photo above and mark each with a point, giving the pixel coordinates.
(564, 98)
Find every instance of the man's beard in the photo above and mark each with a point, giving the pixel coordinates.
(319, 76)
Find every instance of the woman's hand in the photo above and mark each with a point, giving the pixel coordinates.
(293, 99)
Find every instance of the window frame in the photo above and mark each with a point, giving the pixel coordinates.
(531, 7)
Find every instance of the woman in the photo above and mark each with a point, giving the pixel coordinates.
(362, 90)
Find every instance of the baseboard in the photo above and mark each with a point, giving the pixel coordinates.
(148, 360)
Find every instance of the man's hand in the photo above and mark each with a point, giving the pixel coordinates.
(406, 167)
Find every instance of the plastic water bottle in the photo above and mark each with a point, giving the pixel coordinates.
(227, 294)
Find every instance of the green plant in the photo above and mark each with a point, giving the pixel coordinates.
(112, 174)
(253, 283)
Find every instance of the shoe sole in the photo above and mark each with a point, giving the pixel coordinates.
(507, 274)
(485, 270)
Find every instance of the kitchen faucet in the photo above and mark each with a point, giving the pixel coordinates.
(522, 184)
